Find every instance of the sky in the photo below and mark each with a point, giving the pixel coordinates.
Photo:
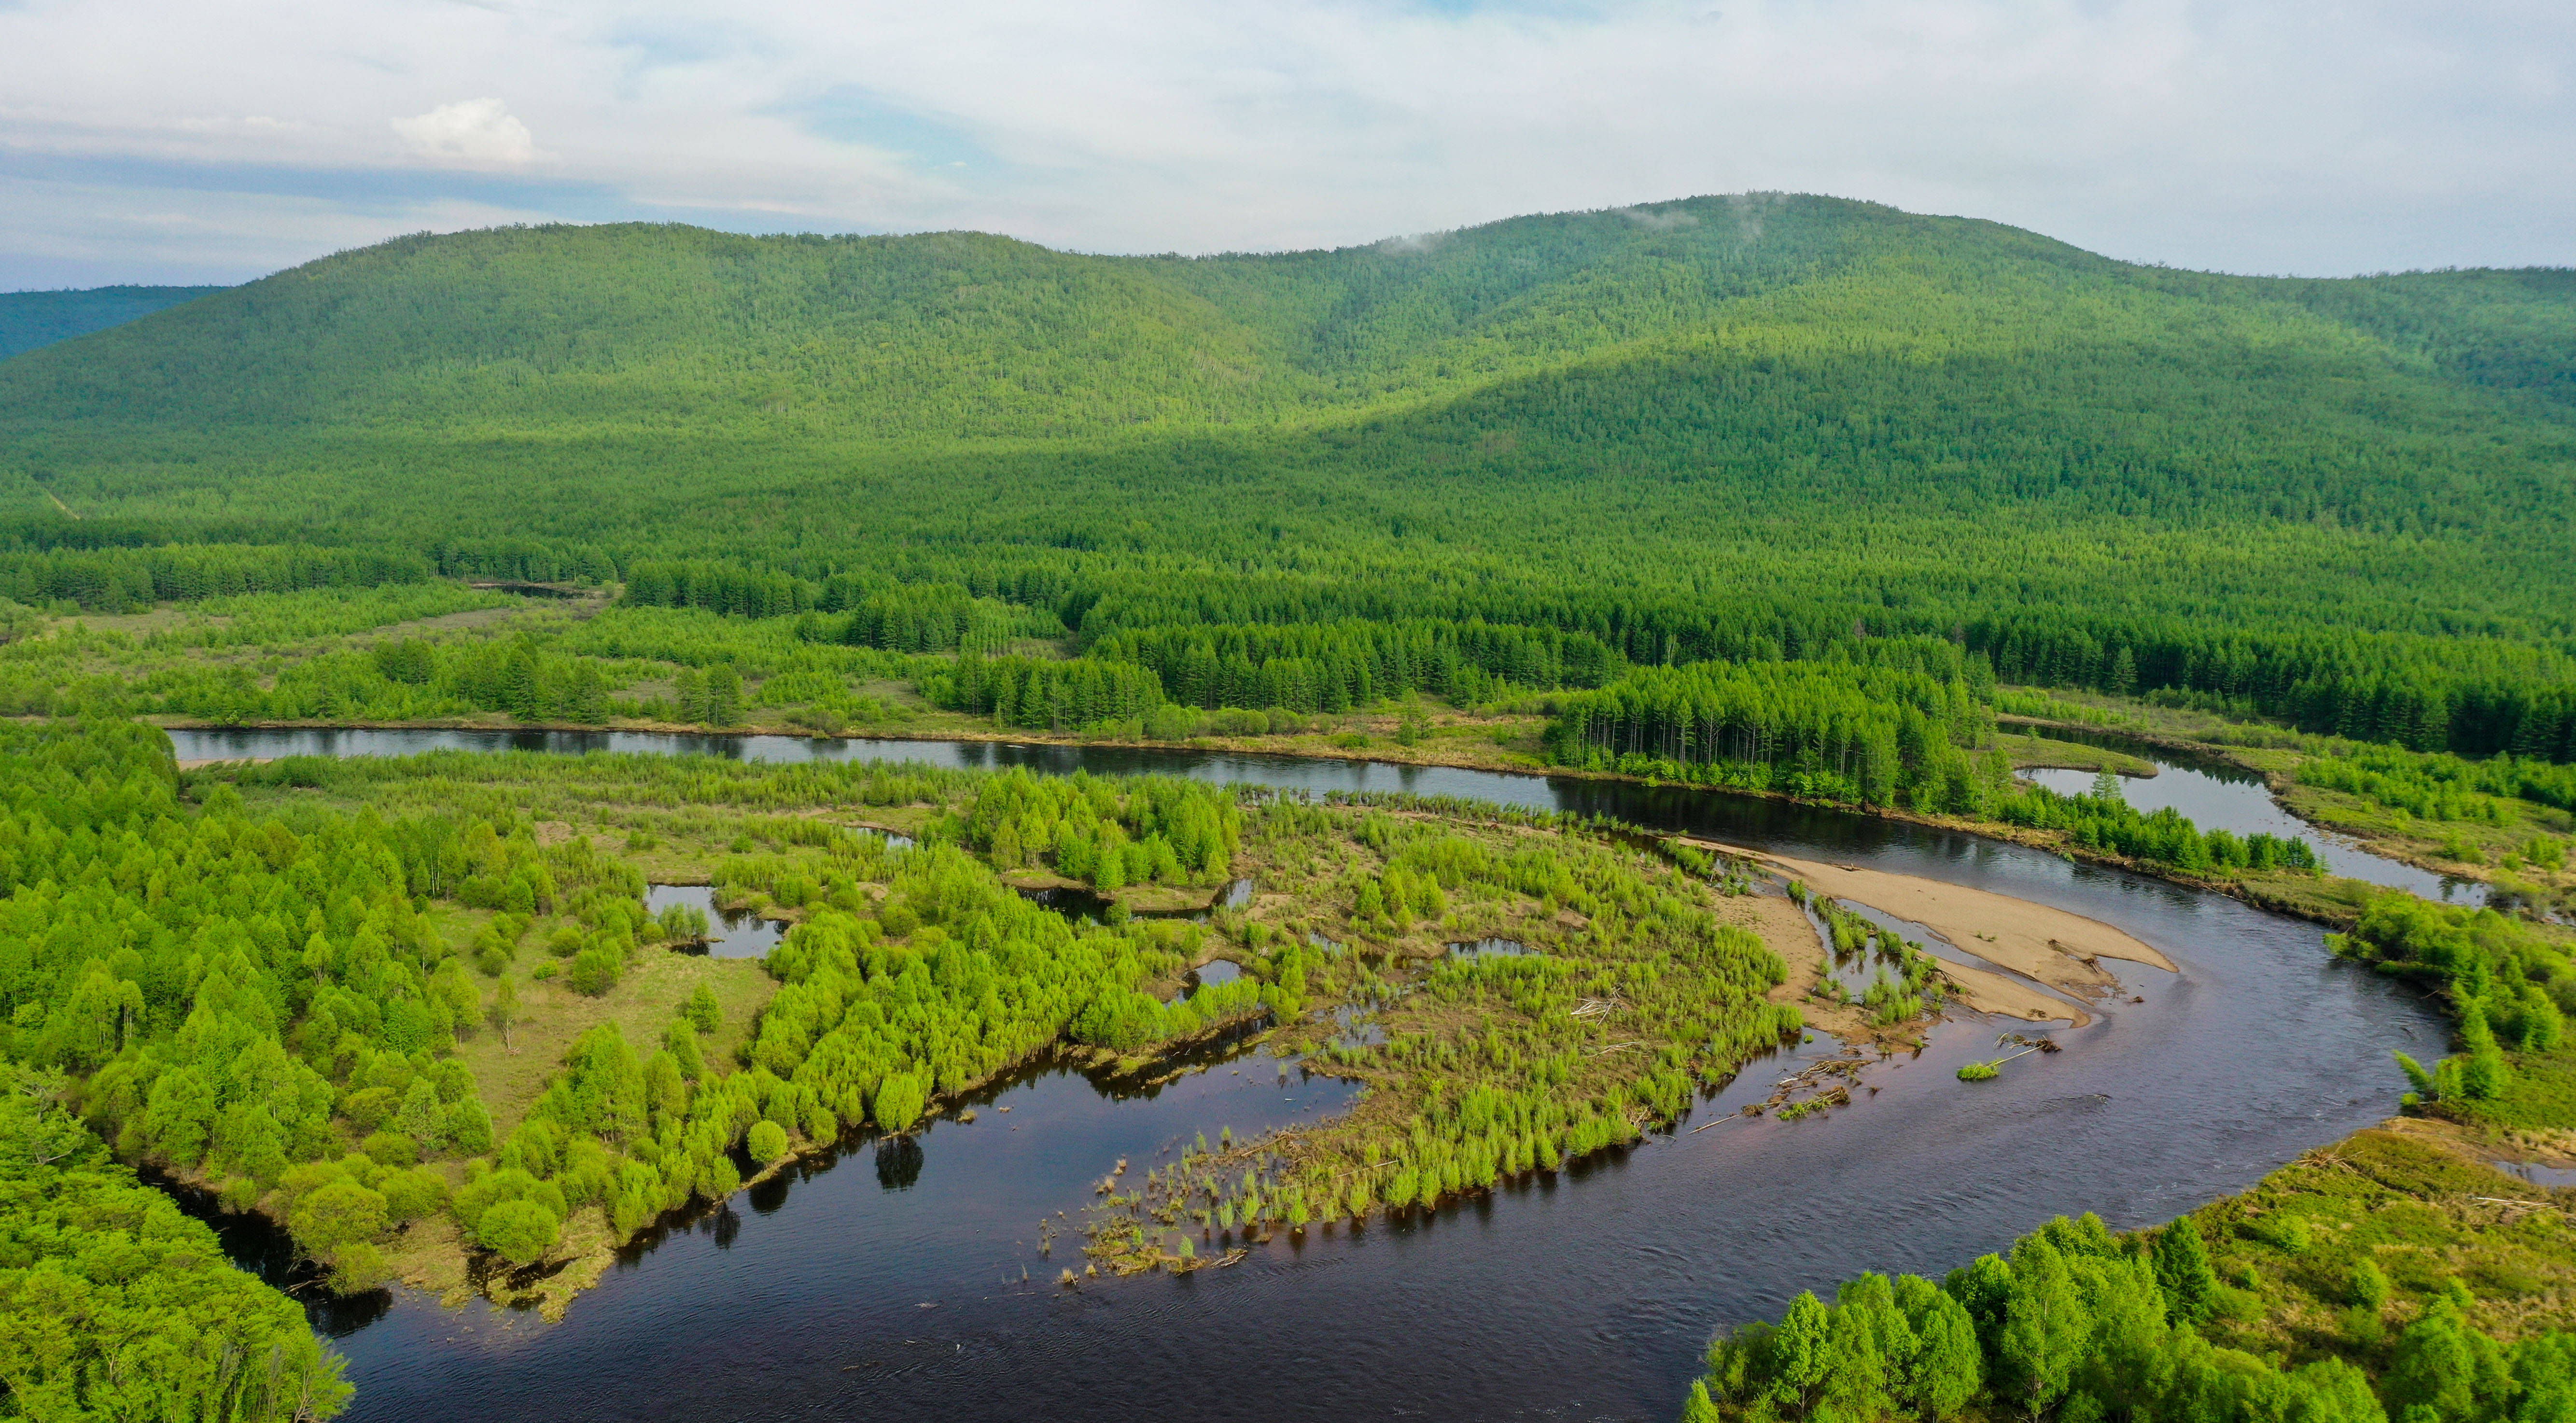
(184, 141)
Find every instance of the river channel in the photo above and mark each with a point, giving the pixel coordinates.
(889, 1281)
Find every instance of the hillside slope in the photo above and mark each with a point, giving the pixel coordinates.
(29, 320)
(1814, 407)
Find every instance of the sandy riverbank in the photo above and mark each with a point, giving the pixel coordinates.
(1791, 934)
(2046, 946)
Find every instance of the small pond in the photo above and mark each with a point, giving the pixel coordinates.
(1472, 950)
(731, 933)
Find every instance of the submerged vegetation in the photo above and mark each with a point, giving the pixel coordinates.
(1633, 992)
(351, 994)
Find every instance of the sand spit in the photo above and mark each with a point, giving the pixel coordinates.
(1790, 933)
(2049, 946)
(1986, 991)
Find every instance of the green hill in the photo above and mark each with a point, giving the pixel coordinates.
(1783, 418)
(32, 319)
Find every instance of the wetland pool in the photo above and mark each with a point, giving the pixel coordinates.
(1588, 1294)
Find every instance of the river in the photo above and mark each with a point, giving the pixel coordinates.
(2216, 795)
(1586, 1295)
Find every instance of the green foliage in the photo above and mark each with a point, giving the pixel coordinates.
(114, 1304)
(2511, 985)
(1492, 1066)
(1881, 733)
(1255, 476)
(2081, 1324)
(767, 1141)
(1153, 831)
(1871, 734)
(519, 1231)
(2077, 1325)
(2437, 786)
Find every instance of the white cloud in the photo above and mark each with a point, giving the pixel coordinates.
(473, 132)
(2257, 135)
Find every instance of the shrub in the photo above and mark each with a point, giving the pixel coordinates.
(338, 1213)
(410, 1195)
(518, 1231)
(357, 1267)
(768, 1141)
(899, 1101)
(594, 971)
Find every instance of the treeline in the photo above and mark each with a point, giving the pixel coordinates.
(898, 617)
(2078, 1323)
(2468, 695)
(2104, 820)
(1873, 736)
(1336, 667)
(2433, 786)
(1042, 694)
(1876, 735)
(725, 588)
(406, 680)
(125, 580)
(933, 617)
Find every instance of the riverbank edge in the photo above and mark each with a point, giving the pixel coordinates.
(2331, 916)
(2276, 785)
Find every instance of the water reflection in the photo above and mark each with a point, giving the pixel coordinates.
(2216, 795)
(1489, 949)
(898, 1163)
(731, 933)
(1588, 1295)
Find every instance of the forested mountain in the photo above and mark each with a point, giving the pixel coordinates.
(1723, 427)
(32, 319)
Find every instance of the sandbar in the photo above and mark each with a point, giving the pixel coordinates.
(2049, 946)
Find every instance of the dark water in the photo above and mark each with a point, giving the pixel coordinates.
(2217, 796)
(1587, 1295)
(731, 933)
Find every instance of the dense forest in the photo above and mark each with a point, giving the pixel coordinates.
(1766, 492)
(1756, 428)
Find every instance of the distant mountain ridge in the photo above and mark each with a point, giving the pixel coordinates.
(1895, 405)
(33, 319)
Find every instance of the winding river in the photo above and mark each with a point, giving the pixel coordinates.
(905, 1279)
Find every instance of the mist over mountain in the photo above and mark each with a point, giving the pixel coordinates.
(40, 318)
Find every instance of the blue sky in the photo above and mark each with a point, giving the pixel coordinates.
(152, 141)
